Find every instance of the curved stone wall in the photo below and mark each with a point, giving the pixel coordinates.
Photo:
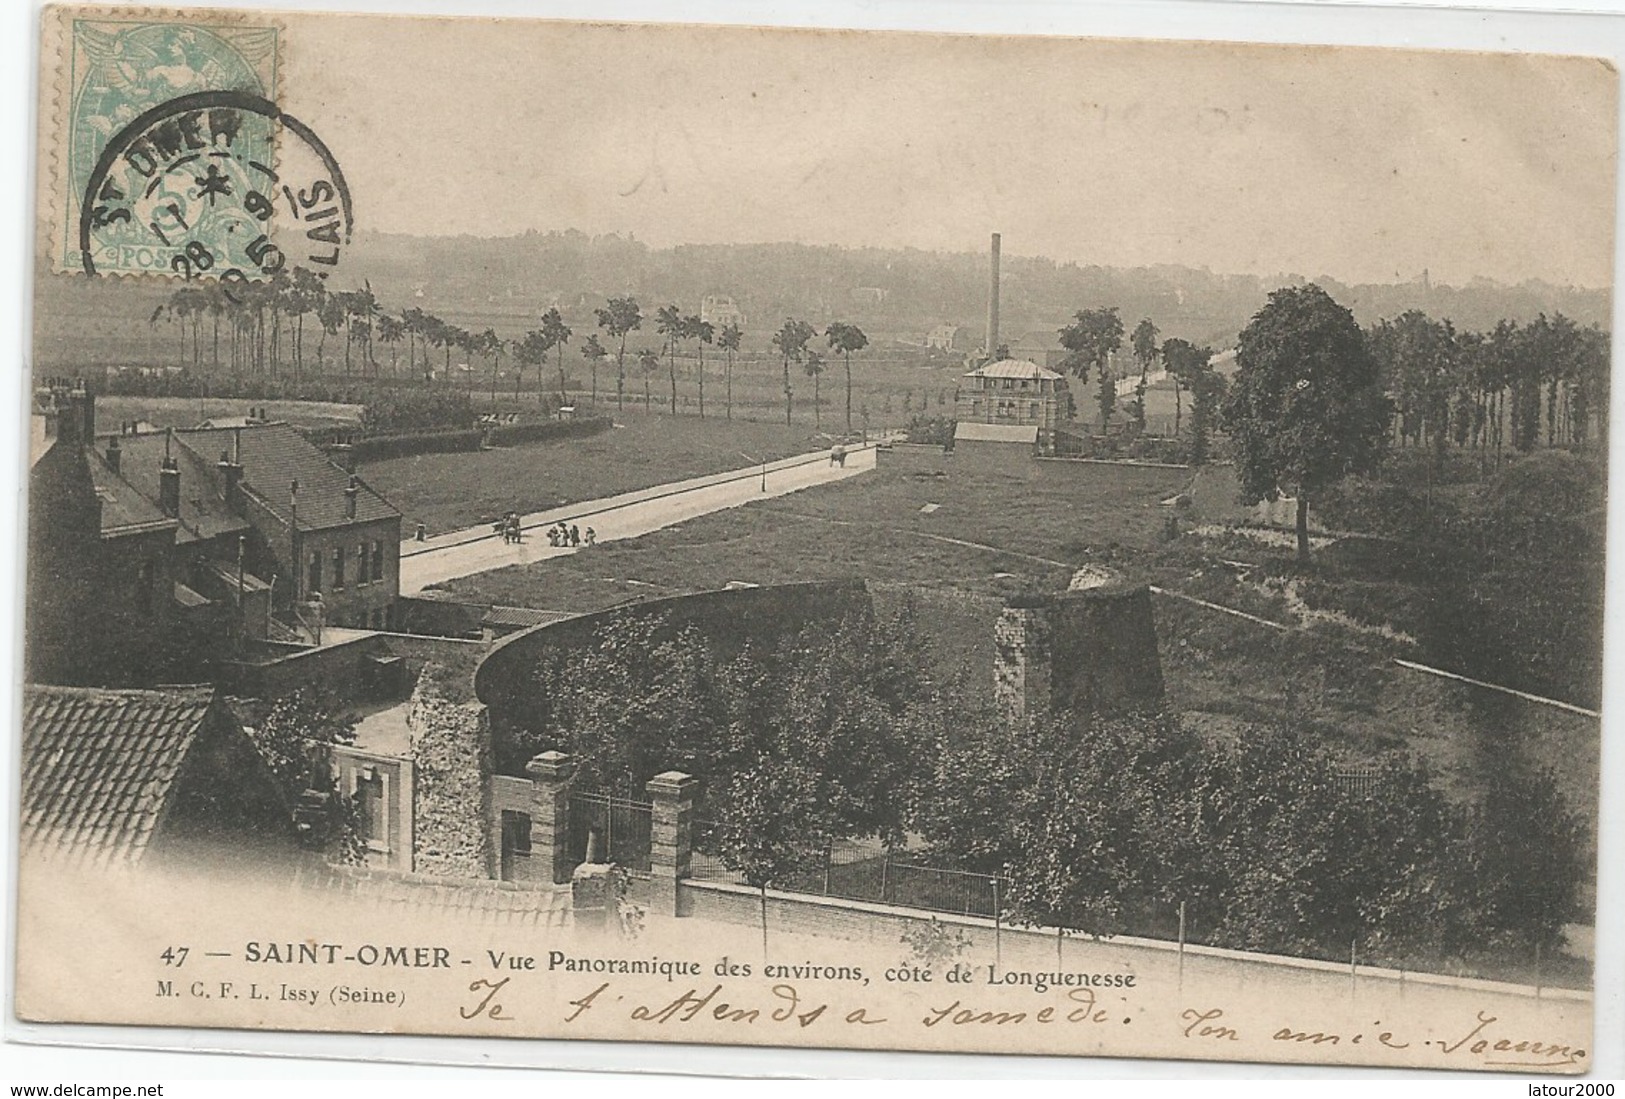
(729, 617)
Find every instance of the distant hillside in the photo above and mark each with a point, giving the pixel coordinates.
(917, 289)
(893, 294)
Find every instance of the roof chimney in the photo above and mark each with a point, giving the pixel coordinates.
(343, 456)
(169, 484)
(351, 493)
(993, 301)
(231, 472)
(115, 454)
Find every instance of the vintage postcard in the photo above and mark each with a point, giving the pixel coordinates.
(837, 539)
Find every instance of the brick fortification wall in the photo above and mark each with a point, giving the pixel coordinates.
(451, 755)
(507, 684)
(1085, 651)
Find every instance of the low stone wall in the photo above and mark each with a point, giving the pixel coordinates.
(884, 925)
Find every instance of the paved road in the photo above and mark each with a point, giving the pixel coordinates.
(479, 549)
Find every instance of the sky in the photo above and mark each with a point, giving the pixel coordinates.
(1361, 164)
(1367, 165)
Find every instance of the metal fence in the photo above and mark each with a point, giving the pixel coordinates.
(1360, 782)
(866, 870)
(610, 829)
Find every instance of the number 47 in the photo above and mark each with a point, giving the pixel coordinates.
(175, 955)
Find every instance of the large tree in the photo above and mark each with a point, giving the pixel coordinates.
(618, 318)
(1306, 407)
(790, 341)
(670, 323)
(594, 353)
(702, 332)
(1091, 339)
(1184, 362)
(728, 340)
(846, 338)
(557, 334)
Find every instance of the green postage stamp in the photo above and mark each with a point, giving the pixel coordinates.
(165, 144)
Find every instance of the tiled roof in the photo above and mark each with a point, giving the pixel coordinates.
(523, 617)
(1012, 368)
(228, 574)
(204, 513)
(970, 431)
(124, 508)
(274, 456)
(100, 766)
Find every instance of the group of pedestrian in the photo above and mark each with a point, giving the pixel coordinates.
(508, 527)
(568, 535)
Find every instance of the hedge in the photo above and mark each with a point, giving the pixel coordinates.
(542, 430)
(376, 448)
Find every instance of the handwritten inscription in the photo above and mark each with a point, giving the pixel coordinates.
(626, 995)
(1482, 1042)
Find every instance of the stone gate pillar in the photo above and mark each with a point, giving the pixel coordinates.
(551, 774)
(671, 836)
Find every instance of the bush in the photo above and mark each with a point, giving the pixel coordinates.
(931, 430)
(544, 430)
(407, 411)
(376, 448)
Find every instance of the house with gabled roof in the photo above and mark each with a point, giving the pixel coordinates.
(128, 778)
(315, 532)
(152, 553)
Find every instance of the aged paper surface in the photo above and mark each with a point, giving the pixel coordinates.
(683, 534)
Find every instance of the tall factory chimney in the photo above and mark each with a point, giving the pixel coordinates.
(992, 345)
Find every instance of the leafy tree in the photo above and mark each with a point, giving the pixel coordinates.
(846, 338)
(728, 339)
(1144, 343)
(594, 353)
(770, 825)
(618, 318)
(648, 362)
(1207, 391)
(670, 323)
(813, 366)
(790, 341)
(330, 311)
(1306, 406)
(557, 334)
(701, 332)
(391, 330)
(294, 735)
(1091, 340)
(530, 351)
(1183, 361)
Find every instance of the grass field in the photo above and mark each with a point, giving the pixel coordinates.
(452, 491)
(1221, 672)
(875, 527)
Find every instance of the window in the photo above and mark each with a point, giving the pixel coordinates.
(338, 568)
(313, 584)
(377, 560)
(372, 809)
(1033, 410)
(361, 576)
